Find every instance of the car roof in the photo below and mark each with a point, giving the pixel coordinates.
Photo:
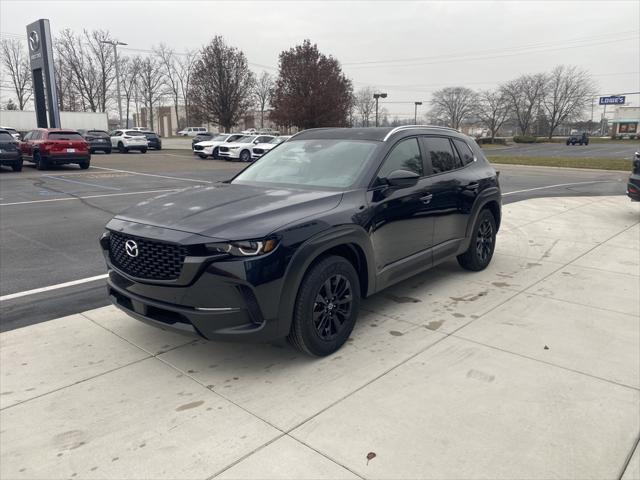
(379, 134)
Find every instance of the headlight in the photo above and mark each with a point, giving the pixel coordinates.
(244, 249)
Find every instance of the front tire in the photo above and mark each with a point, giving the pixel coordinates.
(483, 243)
(122, 148)
(41, 163)
(245, 156)
(108, 152)
(326, 308)
(202, 155)
(17, 166)
(144, 150)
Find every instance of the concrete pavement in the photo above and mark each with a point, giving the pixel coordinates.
(527, 370)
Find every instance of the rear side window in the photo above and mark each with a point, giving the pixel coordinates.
(5, 137)
(65, 136)
(441, 154)
(466, 155)
(404, 156)
(134, 133)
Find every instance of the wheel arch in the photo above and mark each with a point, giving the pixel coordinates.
(351, 243)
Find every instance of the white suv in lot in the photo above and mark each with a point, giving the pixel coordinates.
(262, 148)
(209, 148)
(125, 140)
(191, 131)
(241, 148)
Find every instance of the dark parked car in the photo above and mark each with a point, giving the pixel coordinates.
(579, 138)
(153, 140)
(633, 184)
(201, 137)
(54, 146)
(10, 151)
(291, 244)
(98, 140)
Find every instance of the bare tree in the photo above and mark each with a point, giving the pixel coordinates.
(85, 77)
(169, 68)
(104, 62)
(129, 67)
(222, 84)
(524, 95)
(365, 104)
(16, 62)
(262, 92)
(493, 110)
(185, 68)
(150, 84)
(453, 105)
(569, 90)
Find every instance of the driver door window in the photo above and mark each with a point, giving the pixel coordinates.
(404, 156)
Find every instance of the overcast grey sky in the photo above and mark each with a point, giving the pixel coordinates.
(406, 48)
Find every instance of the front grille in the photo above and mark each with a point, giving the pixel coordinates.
(198, 147)
(224, 149)
(155, 260)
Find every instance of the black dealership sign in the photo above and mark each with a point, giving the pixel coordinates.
(42, 70)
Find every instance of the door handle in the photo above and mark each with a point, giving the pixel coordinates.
(426, 199)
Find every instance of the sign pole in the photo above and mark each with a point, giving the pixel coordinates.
(43, 73)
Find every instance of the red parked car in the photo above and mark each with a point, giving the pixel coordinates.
(55, 146)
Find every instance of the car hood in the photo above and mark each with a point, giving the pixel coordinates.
(239, 145)
(209, 143)
(231, 211)
(266, 146)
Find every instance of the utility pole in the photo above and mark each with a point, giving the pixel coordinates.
(415, 113)
(114, 44)
(377, 96)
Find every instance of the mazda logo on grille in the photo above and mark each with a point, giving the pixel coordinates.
(131, 247)
(34, 41)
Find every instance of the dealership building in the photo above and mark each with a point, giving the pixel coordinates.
(625, 122)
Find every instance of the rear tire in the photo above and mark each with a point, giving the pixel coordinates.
(122, 148)
(483, 243)
(245, 156)
(41, 163)
(84, 165)
(17, 167)
(144, 150)
(108, 152)
(326, 308)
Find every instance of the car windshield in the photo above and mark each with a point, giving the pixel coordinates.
(314, 163)
(134, 133)
(11, 130)
(219, 138)
(278, 140)
(5, 137)
(98, 133)
(64, 136)
(246, 139)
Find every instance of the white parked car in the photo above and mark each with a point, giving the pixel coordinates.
(262, 148)
(241, 148)
(14, 133)
(140, 129)
(191, 131)
(209, 148)
(125, 140)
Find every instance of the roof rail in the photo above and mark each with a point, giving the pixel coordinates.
(407, 127)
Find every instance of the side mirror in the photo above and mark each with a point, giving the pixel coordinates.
(402, 179)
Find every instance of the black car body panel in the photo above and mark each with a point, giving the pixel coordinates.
(98, 140)
(153, 140)
(633, 184)
(9, 149)
(388, 233)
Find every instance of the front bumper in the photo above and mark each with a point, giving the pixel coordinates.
(230, 153)
(136, 146)
(64, 158)
(215, 299)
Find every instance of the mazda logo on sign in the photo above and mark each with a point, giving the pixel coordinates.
(131, 248)
(34, 41)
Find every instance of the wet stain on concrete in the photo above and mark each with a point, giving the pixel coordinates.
(458, 315)
(434, 325)
(532, 264)
(395, 333)
(500, 284)
(469, 298)
(398, 299)
(70, 440)
(188, 406)
(478, 375)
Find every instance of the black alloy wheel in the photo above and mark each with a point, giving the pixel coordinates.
(332, 307)
(483, 243)
(245, 156)
(326, 308)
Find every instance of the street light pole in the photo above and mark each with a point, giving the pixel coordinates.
(114, 44)
(377, 96)
(415, 113)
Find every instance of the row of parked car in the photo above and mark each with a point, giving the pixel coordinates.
(234, 146)
(55, 146)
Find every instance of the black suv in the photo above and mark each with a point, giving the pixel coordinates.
(290, 245)
(579, 138)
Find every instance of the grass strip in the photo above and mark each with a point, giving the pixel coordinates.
(565, 162)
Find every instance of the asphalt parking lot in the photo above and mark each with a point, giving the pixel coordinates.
(51, 220)
(595, 150)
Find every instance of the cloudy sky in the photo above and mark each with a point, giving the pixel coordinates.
(405, 48)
